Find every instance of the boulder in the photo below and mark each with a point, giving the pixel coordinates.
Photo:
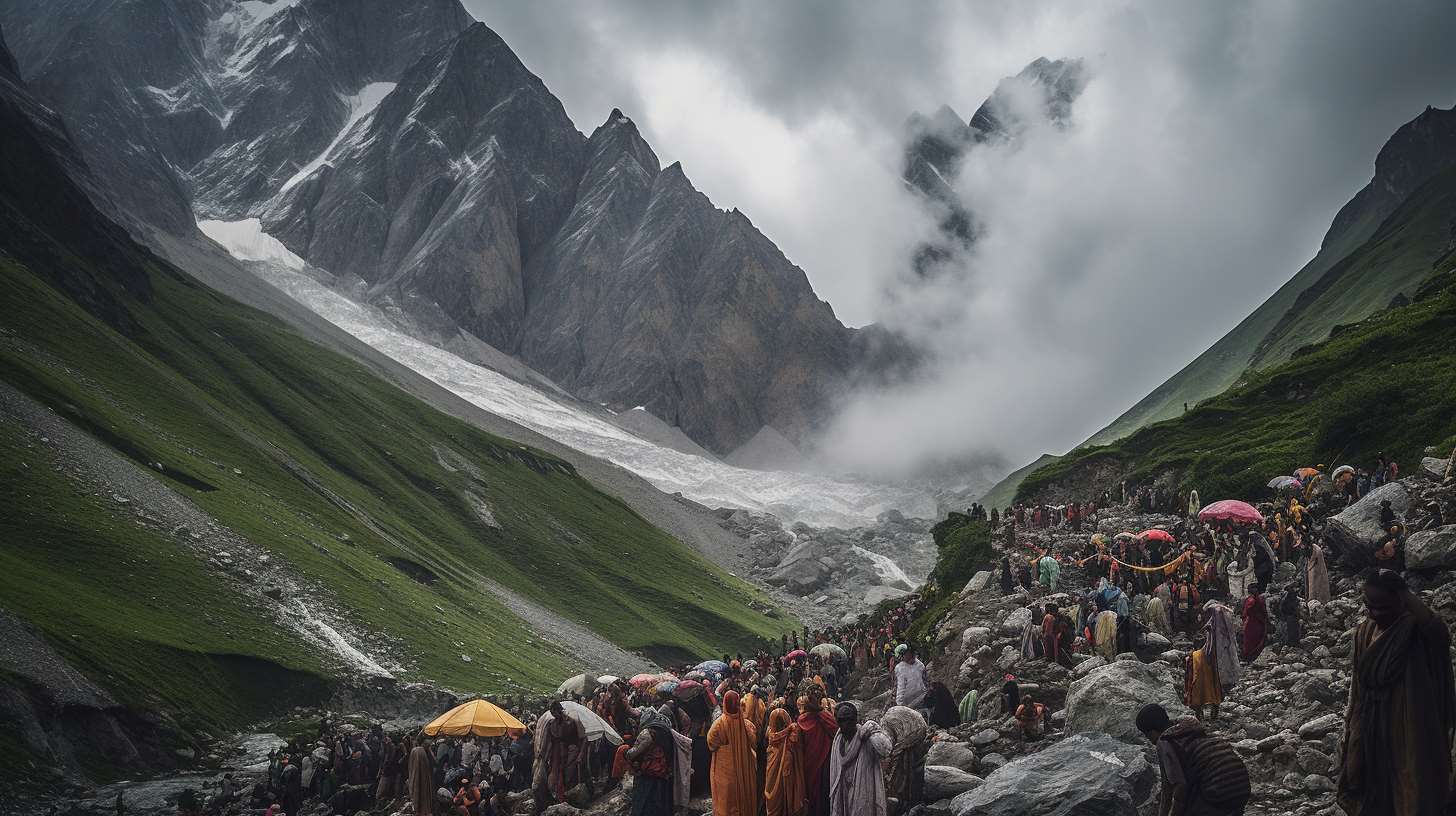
(944, 782)
(1319, 726)
(877, 595)
(1433, 467)
(1016, 622)
(973, 638)
(1107, 699)
(1083, 774)
(1153, 640)
(1354, 533)
(1432, 549)
(985, 737)
(979, 581)
(952, 754)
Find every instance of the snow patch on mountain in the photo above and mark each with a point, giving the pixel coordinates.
(360, 105)
(817, 500)
(246, 241)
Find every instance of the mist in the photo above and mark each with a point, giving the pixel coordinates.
(1203, 162)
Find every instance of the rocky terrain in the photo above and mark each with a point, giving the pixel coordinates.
(841, 574)
(1284, 717)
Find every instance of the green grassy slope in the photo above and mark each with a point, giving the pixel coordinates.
(394, 509)
(1003, 493)
(302, 451)
(1394, 260)
(1220, 366)
(1387, 384)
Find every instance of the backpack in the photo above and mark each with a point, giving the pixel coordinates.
(1214, 771)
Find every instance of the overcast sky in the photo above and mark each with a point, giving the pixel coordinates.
(1212, 146)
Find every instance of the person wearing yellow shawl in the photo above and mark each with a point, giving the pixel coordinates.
(731, 740)
(783, 784)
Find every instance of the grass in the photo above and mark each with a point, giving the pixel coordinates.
(963, 548)
(1003, 494)
(364, 491)
(1356, 274)
(1387, 383)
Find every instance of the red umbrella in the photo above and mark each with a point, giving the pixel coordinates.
(1232, 510)
(797, 654)
(1157, 535)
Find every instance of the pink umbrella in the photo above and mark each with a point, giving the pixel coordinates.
(797, 654)
(1157, 535)
(1232, 510)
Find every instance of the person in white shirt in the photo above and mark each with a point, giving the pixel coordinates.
(912, 680)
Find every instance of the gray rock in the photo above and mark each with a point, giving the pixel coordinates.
(1086, 666)
(1316, 783)
(1153, 640)
(979, 581)
(1432, 549)
(1016, 622)
(973, 638)
(1107, 699)
(1354, 533)
(1083, 774)
(1433, 467)
(1319, 726)
(944, 782)
(952, 754)
(874, 596)
(992, 762)
(1311, 761)
(985, 737)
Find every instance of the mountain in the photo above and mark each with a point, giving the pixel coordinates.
(215, 518)
(1349, 279)
(1003, 494)
(406, 151)
(1044, 91)
(1386, 383)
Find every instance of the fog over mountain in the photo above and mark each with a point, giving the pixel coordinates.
(1203, 162)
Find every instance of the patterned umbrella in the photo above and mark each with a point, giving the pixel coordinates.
(1231, 510)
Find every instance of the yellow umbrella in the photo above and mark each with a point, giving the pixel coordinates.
(477, 718)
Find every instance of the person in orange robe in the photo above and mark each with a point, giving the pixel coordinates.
(783, 783)
(731, 741)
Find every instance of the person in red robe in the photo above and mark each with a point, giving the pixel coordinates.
(1256, 623)
(816, 730)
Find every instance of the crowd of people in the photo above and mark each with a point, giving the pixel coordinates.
(770, 733)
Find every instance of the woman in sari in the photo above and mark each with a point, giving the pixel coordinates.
(731, 741)
(783, 785)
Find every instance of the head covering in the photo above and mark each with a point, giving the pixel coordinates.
(731, 705)
(843, 705)
(1152, 717)
(649, 717)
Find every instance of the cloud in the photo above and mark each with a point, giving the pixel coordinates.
(1210, 150)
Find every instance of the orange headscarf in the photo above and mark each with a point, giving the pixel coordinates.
(735, 765)
(783, 780)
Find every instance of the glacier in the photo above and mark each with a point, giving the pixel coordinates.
(817, 500)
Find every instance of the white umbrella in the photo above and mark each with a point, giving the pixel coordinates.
(608, 679)
(596, 728)
(580, 684)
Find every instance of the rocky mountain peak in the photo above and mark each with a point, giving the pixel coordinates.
(617, 137)
(1045, 88)
(1417, 151)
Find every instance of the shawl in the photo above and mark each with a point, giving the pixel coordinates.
(1157, 615)
(1221, 647)
(1317, 575)
(1405, 673)
(421, 780)
(783, 784)
(856, 785)
(731, 739)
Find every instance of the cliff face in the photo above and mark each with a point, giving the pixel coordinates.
(406, 148)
